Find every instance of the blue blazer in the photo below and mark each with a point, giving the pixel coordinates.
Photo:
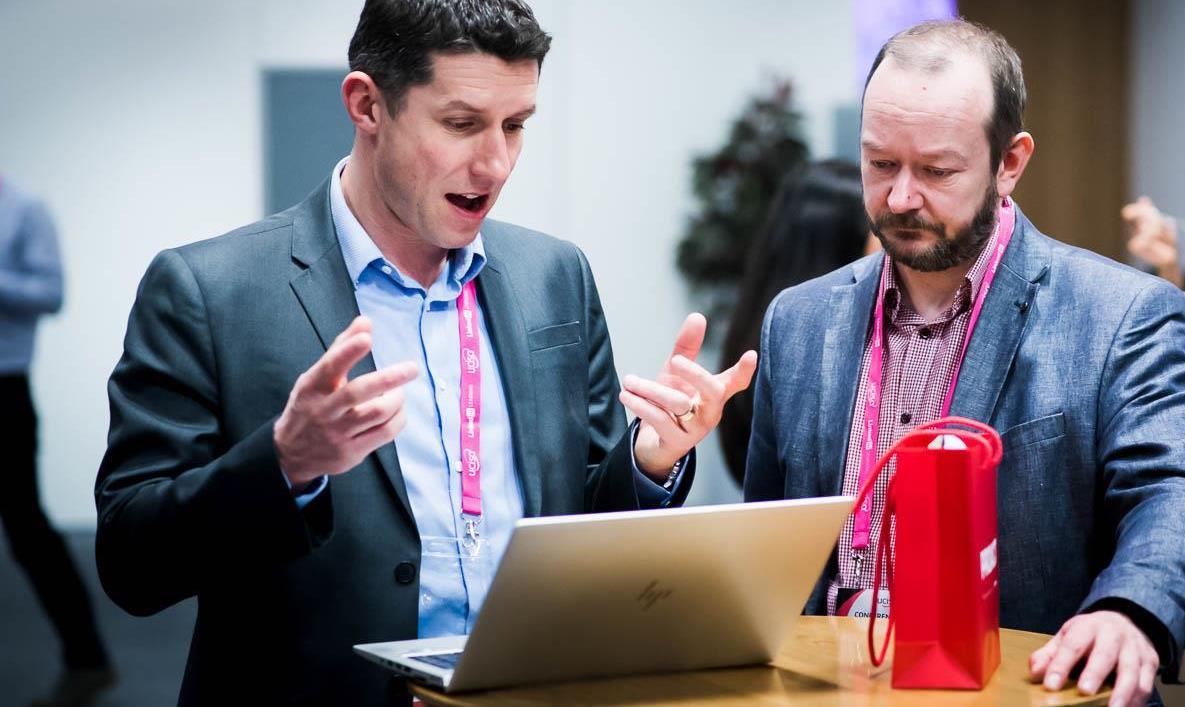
(1079, 362)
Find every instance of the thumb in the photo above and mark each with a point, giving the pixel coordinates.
(738, 377)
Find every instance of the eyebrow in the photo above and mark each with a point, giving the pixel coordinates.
(947, 153)
(463, 106)
(942, 153)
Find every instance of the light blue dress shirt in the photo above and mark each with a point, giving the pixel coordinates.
(30, 275)
(411, 323)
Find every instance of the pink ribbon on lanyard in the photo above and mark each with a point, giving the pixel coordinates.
(876, 365)
(470, 402)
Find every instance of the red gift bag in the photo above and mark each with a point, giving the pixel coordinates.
(943, 578)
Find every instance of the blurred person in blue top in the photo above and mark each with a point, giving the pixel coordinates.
(30, 287)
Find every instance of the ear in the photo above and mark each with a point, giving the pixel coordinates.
(1013, 163)
(364, 102)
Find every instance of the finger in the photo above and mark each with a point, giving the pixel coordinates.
(329, 371)
(1103, 656)
(375, 411)
(656, 417)
(1137, 208)
(357, 326)
(668, 378)
(1147, 681)
(1040, 658)
(373, 384)
(1127, 676)
(711, 390)
(379, 435)
(675, 402)
(1076, 641)
(691, 336)
(740, 375)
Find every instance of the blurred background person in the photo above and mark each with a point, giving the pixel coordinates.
(31, 286)
(1152, 239)
(815, 224)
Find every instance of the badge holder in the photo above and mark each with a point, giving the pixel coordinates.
(465, 549)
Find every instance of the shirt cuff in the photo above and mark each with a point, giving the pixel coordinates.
(313, 491)
(650, 493)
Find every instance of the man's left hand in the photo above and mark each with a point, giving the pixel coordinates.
(1109, 642)
(684, 403)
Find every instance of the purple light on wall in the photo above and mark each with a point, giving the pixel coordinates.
(877, 20)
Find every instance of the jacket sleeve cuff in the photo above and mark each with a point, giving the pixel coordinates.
(1158, 634)
(671, 494)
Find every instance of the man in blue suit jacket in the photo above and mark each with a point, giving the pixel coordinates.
(1077, 360)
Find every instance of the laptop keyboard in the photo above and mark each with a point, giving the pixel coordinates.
(448, 661)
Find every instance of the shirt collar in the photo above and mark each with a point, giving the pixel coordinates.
(967, 293)
(360, 251)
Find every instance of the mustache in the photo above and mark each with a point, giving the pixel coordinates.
(906, 221)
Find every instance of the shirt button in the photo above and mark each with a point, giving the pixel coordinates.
(925, 332)
(405, 572)
(387, 269)
(905, 418)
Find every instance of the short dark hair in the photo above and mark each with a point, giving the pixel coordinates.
(395, 39)
(927, 46)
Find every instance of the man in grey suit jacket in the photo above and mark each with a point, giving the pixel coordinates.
(247, 468)
(1077, 360)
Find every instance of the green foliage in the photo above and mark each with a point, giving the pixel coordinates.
(735, 187)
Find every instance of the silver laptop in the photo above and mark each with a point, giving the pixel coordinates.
(634, 592)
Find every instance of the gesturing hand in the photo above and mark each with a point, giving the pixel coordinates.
(684, 404)
(1152, 236)
(329, 425)
(1109, 641)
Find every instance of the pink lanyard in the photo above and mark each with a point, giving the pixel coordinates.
(876, 367)
(470, 408)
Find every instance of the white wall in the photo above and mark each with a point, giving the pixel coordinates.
(139, 121)
(1157, 103)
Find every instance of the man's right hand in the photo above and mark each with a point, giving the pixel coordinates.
(329, 425)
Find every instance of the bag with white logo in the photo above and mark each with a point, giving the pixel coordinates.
(943, 573)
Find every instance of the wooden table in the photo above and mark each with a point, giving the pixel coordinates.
(825, 664)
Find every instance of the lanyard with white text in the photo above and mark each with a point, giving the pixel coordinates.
(1005, 222)
(467, 327)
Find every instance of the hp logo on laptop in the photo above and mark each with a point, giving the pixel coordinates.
(652, 594)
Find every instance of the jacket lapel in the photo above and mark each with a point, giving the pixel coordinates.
(1001, 326)
(327, 296)
(848, 316)
(508, 334)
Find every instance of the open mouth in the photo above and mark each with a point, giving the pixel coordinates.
(473, 203)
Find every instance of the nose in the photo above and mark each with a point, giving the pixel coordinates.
(903, 194)
(493, 161)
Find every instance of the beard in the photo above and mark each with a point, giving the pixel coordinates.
(948, 251)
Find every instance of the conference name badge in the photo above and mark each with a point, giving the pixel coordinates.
(857, 603)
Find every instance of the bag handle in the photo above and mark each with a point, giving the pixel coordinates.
(988, 434)
(882, 555)
(984, 435)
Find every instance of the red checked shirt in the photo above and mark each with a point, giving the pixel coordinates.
(920, 359)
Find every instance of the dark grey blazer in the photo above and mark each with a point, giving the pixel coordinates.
(192, 503)
(1080, 363)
